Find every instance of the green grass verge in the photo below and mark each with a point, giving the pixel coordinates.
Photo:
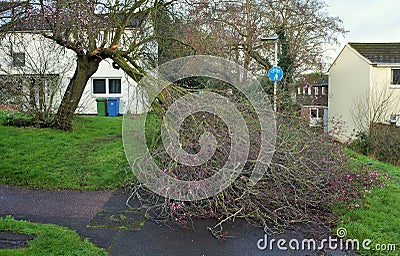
(379, 217)
(91, 157)
(51, 240)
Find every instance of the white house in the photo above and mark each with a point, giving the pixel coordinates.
(24, 56)
(36, 70)
(364, 87)
(109, 82)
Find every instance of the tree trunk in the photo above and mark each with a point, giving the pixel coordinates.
(248, 39)
(85, 68)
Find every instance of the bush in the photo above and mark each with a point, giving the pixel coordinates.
(382, 143)
(385, 142)
(362, 144)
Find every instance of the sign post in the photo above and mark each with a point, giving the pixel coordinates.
(275, 73)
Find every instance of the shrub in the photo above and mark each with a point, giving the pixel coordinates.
(381, 143)
(362, 143)
(385, 140)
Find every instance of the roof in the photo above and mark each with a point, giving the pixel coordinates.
(378, 53)
(322, 83)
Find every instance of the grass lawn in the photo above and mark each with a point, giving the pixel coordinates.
(91, 157)
(50, 240)
(378, 218)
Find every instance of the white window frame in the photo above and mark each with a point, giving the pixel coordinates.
(318, 113)
(107, 94)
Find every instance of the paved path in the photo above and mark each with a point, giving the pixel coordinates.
(72, 204)
(83, 211)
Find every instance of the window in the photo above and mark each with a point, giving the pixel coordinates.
(316, 113)
(309, 90)
(99, 86)
(315, 90)
(106, 86)
(114, 85)
(323, 91)
(299, 90)
(18, 59)
(396, 76)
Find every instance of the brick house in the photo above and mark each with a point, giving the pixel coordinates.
(313, 99)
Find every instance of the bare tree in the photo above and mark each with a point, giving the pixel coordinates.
(234, 28)
(373, 107)
(94, 30)
(371, 113)
(34, 71)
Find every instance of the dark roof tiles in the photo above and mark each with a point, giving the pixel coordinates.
(379, 52)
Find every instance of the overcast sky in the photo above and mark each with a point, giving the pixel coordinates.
(367, 20)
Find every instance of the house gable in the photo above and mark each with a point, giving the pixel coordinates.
(349, 76)
(345, 48)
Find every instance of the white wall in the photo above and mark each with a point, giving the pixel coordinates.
(42, 57)
(382, 90)
(130, 93)
(349, 78)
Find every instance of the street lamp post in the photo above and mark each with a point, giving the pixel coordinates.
(275, 39)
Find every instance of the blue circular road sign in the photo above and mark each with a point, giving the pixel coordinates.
(275, 74)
